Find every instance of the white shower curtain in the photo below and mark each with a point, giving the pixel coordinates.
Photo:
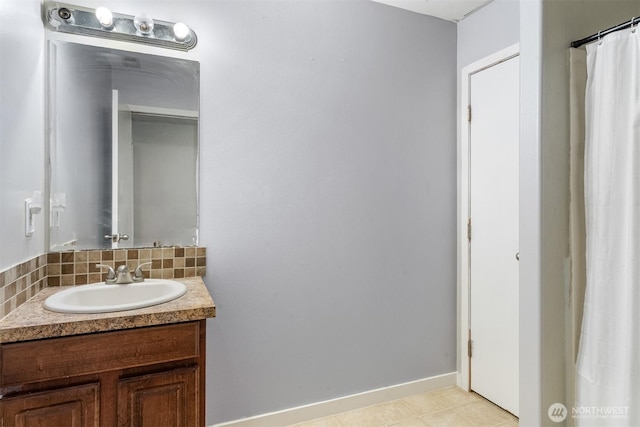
(608, 371)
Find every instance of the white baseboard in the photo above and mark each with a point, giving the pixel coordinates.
(342, 404)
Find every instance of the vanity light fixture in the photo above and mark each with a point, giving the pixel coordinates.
(101, 22)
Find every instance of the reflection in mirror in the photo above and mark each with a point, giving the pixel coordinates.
(123, 148)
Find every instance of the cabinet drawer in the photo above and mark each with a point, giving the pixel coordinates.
(55, 358)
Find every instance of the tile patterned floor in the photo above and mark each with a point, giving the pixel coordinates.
(449, 407)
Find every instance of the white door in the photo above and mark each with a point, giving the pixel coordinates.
(493, 206)
(121, 175)
(115, 157)
(124, 178)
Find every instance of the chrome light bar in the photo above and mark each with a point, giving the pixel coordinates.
(101, 22)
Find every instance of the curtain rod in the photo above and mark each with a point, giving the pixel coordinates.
(600, 34)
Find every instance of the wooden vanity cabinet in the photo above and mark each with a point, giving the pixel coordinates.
(152, 376)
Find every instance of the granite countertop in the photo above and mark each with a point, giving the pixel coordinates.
(32, 321)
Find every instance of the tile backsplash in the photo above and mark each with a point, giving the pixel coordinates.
(21, 282)
(79, 267)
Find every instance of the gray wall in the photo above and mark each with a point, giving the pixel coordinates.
(490, 29)
(328, 197)
(328, 200)
(21, 127)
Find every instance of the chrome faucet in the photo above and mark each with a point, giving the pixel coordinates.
(122, 275)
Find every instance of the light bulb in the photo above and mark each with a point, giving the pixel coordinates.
(143, 23)
(105, 17)
(180, 31)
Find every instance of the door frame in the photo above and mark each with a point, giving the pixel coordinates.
(114, 166)
(463, 248)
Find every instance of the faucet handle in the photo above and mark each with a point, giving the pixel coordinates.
(137, 275)
(111, 274)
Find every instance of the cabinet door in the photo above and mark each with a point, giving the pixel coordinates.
(72, 406)
(165, 399)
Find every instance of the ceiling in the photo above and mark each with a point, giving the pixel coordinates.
(451, 10)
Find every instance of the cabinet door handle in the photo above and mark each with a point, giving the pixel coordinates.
(518, 256)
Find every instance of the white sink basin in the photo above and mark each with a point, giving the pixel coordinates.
(103, 298)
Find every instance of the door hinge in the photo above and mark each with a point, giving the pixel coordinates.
(469, 229)
(469, 113)
(470, 348)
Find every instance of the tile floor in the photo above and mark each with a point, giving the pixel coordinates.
(449, 407)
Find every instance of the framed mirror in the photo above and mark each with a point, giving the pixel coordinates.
(123, 148)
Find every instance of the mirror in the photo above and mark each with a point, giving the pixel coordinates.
(123, 148)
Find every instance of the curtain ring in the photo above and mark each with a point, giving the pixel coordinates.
(599, 38)
(633, 29)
